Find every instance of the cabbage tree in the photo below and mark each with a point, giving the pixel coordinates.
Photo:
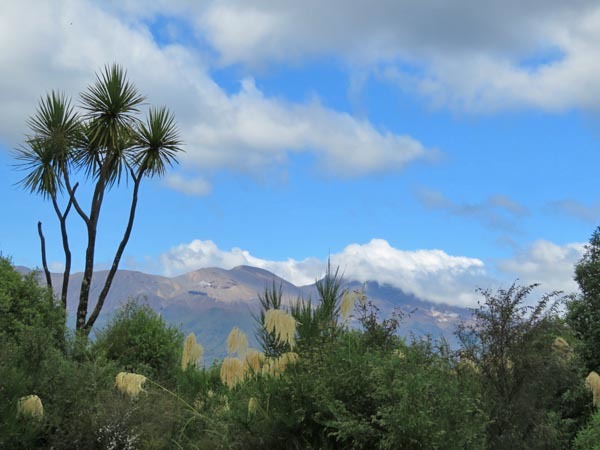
(103, 142)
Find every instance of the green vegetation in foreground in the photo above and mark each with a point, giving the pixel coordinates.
(516, 382)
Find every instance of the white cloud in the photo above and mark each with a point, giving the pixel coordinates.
(430, 274)
(62, 44)
(191, 186)
(251, 131)
(475, 56)
(546, 263)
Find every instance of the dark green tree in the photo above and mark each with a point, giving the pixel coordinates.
(584, 309)
(528, 387)
(103, 142)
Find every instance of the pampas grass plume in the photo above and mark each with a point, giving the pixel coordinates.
(192, 352)
(282, 324)
(271, 368)
(348, 300)
(254, 360)
(30, 406)
(233, 371)
(252, 405)
(593, 382)
(562, 347)
(130, 384)
(237, 342)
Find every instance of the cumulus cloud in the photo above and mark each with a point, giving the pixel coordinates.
(429, 274)
(546, 263)
(251, 131)
(476, 56)
(64, 43)
(496, 211)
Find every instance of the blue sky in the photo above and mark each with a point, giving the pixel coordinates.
(432, 147)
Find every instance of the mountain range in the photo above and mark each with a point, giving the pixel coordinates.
(211, 301)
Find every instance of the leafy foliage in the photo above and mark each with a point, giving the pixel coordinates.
(138, 340)
(584, 310)
(509, 386)
(25, 306)
(522, 375)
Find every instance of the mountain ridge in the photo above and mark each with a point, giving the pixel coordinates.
(210, 301)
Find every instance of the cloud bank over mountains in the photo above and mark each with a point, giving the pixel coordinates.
(432, 275)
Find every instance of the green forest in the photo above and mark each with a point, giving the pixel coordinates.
(522, 377)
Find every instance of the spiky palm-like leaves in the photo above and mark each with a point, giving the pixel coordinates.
(111, 105)
(48, 151)
(316, 322)
(157, 142)
(105, 143)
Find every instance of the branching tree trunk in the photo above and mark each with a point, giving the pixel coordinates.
(44, 261)
(115, 265)
(106, 141)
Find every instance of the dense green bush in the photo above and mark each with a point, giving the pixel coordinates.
(532, 392)
(138, 340)
(25, 305)
(351, 388)
(588, 437)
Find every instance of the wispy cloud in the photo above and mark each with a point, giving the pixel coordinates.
(496, 211)
(574, 208)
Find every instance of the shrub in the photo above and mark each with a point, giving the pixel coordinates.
(138, 340)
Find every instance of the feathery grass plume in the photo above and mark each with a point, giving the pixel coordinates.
(271, 368)
(130, 384)
(282, 324)
(192, 352)
(593, 382)
(399, 353)
(252, 406)
(348, 300)
(254, 360)
(468, 364)
(237, 342)
(563, 348)
(362, 298)
(286, 359)
(233, 371)
(30, 406)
